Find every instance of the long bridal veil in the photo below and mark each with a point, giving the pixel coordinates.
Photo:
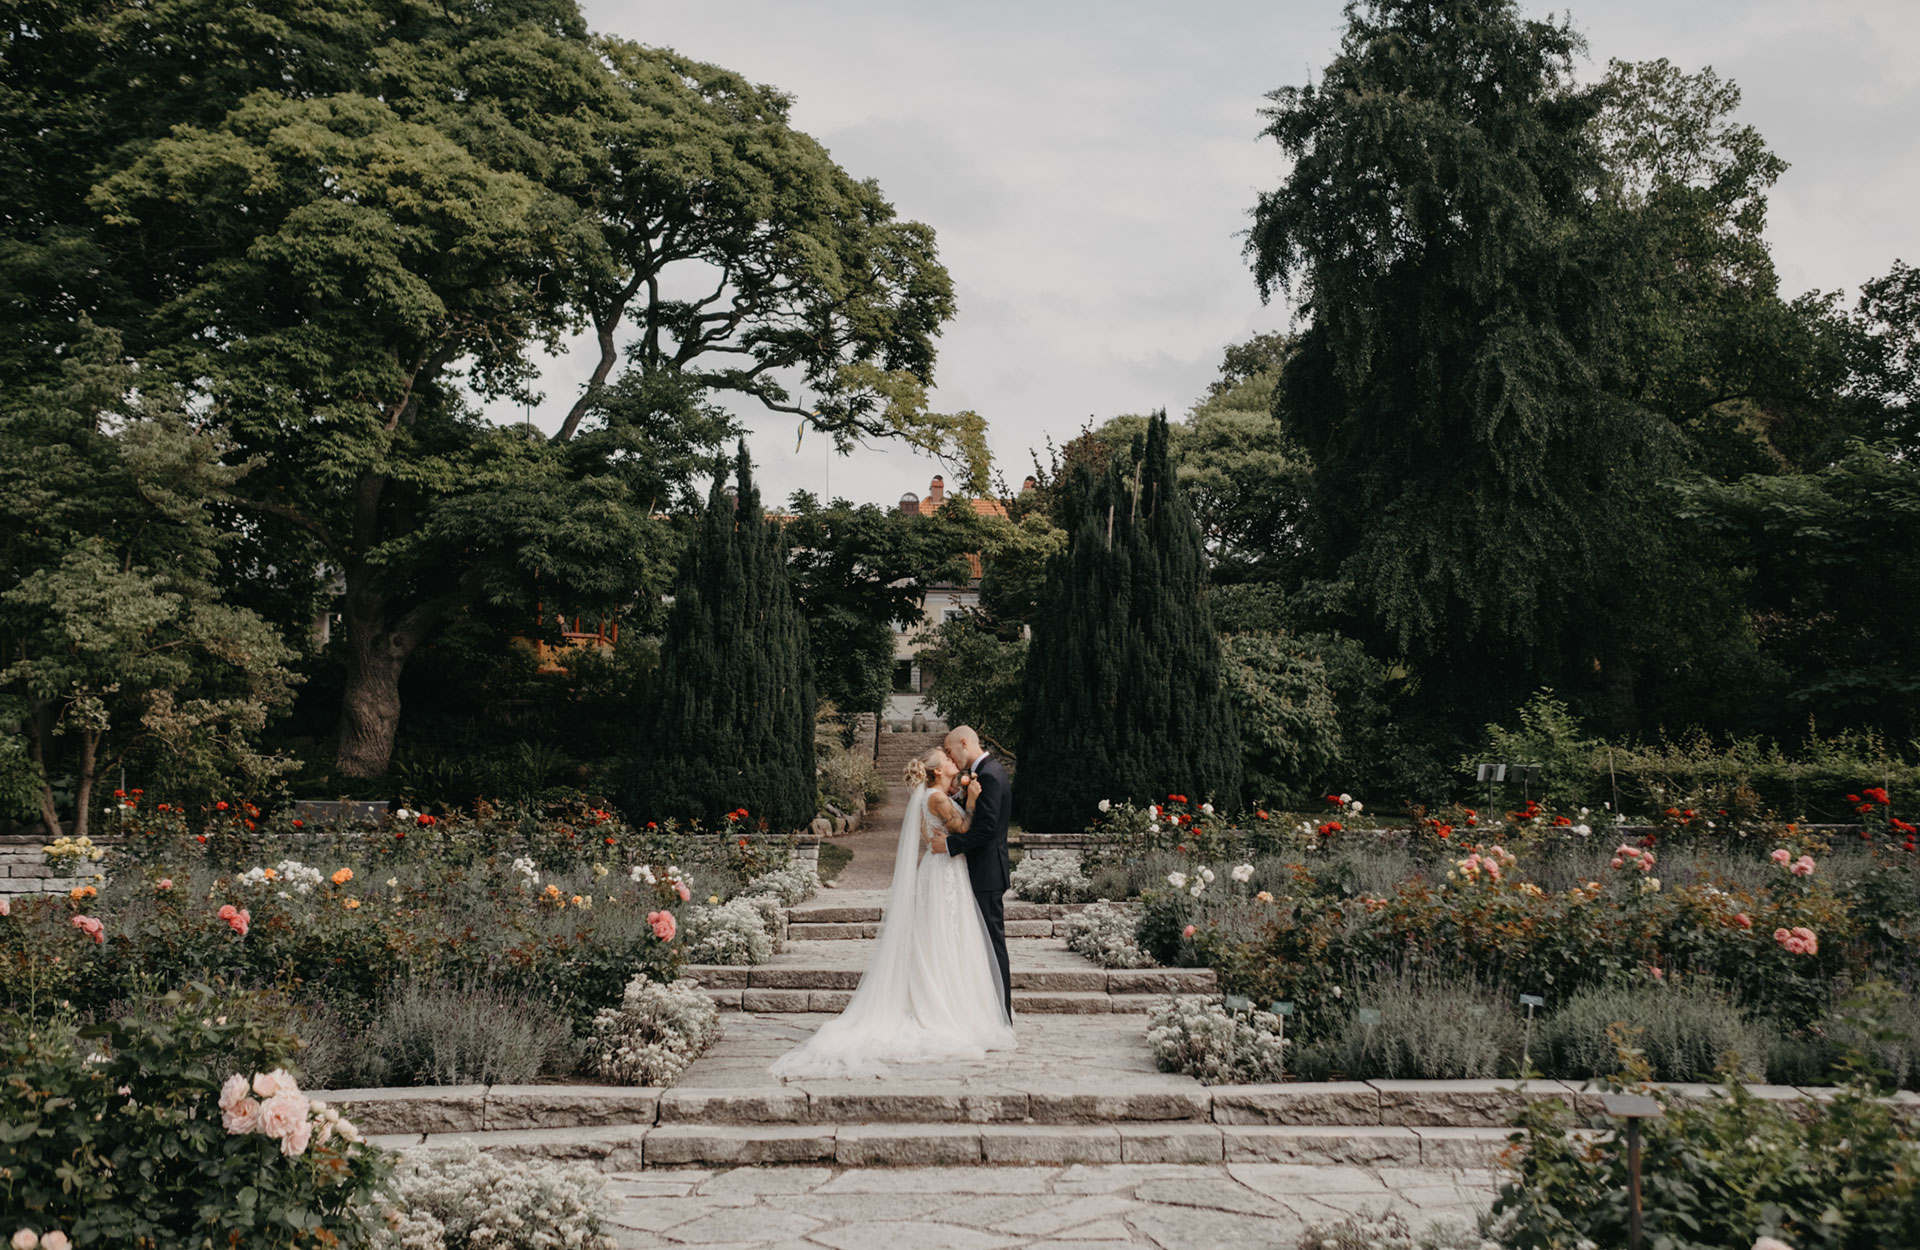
(915, 956)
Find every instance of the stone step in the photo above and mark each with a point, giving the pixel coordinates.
(834, 931)
(1025, 1002)
(836, 912)
(627, 1149)
(1153, 982)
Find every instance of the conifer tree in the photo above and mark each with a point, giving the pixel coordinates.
(731, 717)
(1125, 696)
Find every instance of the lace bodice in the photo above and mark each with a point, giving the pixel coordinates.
(932, 827)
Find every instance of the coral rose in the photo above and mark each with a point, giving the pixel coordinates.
(91, 927)
(237, 918)
(663, 926)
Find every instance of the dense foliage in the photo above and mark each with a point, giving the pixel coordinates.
(1123, 680)
(731, 720)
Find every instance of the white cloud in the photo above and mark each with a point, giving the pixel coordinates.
(1088, 167)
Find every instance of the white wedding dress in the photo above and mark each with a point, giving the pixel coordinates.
(931, 992)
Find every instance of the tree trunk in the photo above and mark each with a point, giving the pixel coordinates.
(83, 790)
(40, 734)
(370, 704)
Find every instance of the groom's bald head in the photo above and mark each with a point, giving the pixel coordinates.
(963, 744)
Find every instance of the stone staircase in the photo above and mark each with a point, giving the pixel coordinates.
(829, 943)
(895, 749)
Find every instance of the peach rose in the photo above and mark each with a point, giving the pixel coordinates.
(242, 1116)
(282, 1113)
(663, 926)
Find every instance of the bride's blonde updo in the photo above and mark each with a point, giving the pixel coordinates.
(921, 771)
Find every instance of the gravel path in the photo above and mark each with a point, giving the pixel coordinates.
(873, 846)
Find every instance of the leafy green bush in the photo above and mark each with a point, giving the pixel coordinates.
(1689, 1030)
(430, 1034)
(116, 1135)
(1843, 1174)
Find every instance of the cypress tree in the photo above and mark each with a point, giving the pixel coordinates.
(1125, 695)
(730, 720)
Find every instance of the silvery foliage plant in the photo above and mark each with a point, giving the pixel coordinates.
(1196, 1035)
(1106, 933)
(459, 1198)
(1050, 877)
(733, 932)
(792, 885)
(655, 1032)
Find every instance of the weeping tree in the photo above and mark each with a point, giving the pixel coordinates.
(1126, 697)
(730, 723)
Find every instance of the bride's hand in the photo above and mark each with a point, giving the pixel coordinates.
(973, 790)
(938, 846)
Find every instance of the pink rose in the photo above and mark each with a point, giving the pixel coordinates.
(267, 1084)
(6, 908)
(233, 1091)
(55, 1240)
(662, 922)
(1743, 920)
(1781, 935)
(1617, 861)
(165, 883)
(294, 1144)
(91, 927)
(1782, 856)
(282, 1113)
(1187, 932)
(243, 1116)
(680, 888)
(1802, 867)
(237, 918)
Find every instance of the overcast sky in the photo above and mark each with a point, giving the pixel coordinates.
(1089, 167)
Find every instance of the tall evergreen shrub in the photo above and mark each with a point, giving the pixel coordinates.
(1126, 697)
(730, 723)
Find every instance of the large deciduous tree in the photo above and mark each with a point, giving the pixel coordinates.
(1125, 693)
(349, 219)
(731, 716)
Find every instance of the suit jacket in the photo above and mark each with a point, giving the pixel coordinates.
(985, 841)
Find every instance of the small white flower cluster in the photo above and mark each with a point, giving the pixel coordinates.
(1107, 933)
(1242, 873)
(792, 885)
(1387, 1230)
(655, 1032)
(1195, 885)
(734, 932)
(525, 868)
(290, 874)
(453, 1199)
(1196, 1035)
(1050, 877)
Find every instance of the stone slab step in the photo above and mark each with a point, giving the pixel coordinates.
(1089, 980)
(1025, 1002)
(854, 930)
(837, 912)
(621, 1149)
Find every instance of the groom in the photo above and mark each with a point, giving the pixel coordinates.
(985, 842)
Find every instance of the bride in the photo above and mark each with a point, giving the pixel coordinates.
(931, 991)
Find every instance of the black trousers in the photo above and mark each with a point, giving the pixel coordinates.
(993, 910)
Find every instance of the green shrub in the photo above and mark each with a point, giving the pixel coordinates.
(1689, 1031)
(114, 1134)
(1837, 1175)
(430, 1034)
(1431, 1027)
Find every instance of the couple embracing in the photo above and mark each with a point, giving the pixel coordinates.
(936, 987)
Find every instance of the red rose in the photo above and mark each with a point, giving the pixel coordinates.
(299, 824)
(221, 806)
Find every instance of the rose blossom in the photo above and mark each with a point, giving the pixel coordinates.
(1743, 920)
(165, 883)
(281, 1113)
(268, 1084)
(55, 1240)
(237, 918)
(662, 922)
(1782, 856)
(242, 1116)
(25, 1239)
(233, 1091)
(1187, 932)
(294, 1144)
(1802, 867)
(91, 927)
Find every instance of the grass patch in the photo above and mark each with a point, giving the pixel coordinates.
(833, 857)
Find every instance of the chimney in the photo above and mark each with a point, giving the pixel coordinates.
(937, 491)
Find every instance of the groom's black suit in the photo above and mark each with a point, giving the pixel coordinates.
(988, 866)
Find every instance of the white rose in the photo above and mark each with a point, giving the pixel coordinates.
(1207, 808)
(1582, 830)
(1106, 805)
(1197, 888)
(1356, 809)
(1178, 880)
(1346, 798)
(1206, 875)
(1243, 873)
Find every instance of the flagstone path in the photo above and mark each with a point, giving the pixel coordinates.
(1082, 1207)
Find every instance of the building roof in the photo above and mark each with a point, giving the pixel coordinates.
(937, 497)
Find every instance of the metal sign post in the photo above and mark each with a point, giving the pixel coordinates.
(1632, 1108)
(1529, 1001)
